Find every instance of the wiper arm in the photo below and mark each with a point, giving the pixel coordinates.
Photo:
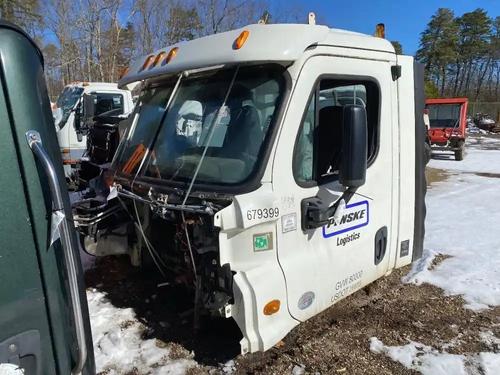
(153, 140)
(211, 129)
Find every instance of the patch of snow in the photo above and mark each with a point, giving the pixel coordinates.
(490, 339)
(298, 370)
(476, 130)
(479, 161)
(490, 363)
(118, 344)
(463, 215)
(10, 369)
(403, 354)
(429, 361)
(229, 367)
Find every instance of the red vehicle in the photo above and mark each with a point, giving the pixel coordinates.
(447, 120)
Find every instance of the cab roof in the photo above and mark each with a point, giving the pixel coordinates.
(109, 85)
(279, 43)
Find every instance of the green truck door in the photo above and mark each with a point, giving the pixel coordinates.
(37, 329)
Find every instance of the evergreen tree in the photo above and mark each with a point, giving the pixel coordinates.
(438, 45)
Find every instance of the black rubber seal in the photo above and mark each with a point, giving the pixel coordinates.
(420, 181)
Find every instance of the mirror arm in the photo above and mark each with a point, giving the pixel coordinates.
(315, 215)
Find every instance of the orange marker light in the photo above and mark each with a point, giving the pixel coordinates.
(241, 39)
(147, 62)
(272, 307)
(158, 58)
(380, 31)
(123, 73)
(171, 54)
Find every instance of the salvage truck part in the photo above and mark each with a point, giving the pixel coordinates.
(274, 170)
(44, 322)
(87, 134)
(447, 124)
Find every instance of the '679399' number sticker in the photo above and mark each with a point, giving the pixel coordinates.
(263, 213)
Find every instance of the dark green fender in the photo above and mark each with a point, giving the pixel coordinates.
(37, 329)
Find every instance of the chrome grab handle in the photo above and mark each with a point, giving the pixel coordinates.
(35, 143)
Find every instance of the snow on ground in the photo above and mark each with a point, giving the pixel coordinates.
(118, 344)
(429, 361)
(479, 161)
(463, 221)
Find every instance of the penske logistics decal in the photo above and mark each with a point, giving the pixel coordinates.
(354, 216)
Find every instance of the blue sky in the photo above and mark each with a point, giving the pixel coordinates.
(404, 20)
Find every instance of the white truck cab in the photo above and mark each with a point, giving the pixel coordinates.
(68, 110)
(275, 169)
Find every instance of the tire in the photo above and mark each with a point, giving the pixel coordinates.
(459, 154)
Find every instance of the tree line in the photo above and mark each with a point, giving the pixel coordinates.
(462, 55)
(95, 40)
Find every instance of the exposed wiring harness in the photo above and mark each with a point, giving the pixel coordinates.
(152, 252)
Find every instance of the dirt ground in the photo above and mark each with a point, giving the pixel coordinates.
(334, 342)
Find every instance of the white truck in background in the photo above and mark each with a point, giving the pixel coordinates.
(68, 114)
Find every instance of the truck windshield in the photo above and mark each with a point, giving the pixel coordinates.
(66, 101)
(444, 115)
(235, 132)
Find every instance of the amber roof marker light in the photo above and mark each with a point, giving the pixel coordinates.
(171, 54)
(380, 31)
(241, 39)
(123, 72)
(157, 59)
(147, 62)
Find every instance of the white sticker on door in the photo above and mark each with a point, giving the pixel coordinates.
(289, 222)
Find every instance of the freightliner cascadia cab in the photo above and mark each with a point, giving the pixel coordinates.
(44, 326)
(273, 170)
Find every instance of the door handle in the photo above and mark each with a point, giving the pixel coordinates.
(35, 143)
(380, 244)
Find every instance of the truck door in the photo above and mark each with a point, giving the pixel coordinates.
(323, 265)
(44, 326)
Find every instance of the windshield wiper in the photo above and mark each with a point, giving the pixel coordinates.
(211, 129)
(153, 140)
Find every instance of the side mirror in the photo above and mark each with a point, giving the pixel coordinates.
(88, 107)
(84, 116)
(352, 172)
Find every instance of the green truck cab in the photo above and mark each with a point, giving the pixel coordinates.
(44, 323)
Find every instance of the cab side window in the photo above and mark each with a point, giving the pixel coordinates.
(106, 102)
(318, 149)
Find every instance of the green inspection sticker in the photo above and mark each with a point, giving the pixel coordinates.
(263, 241)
